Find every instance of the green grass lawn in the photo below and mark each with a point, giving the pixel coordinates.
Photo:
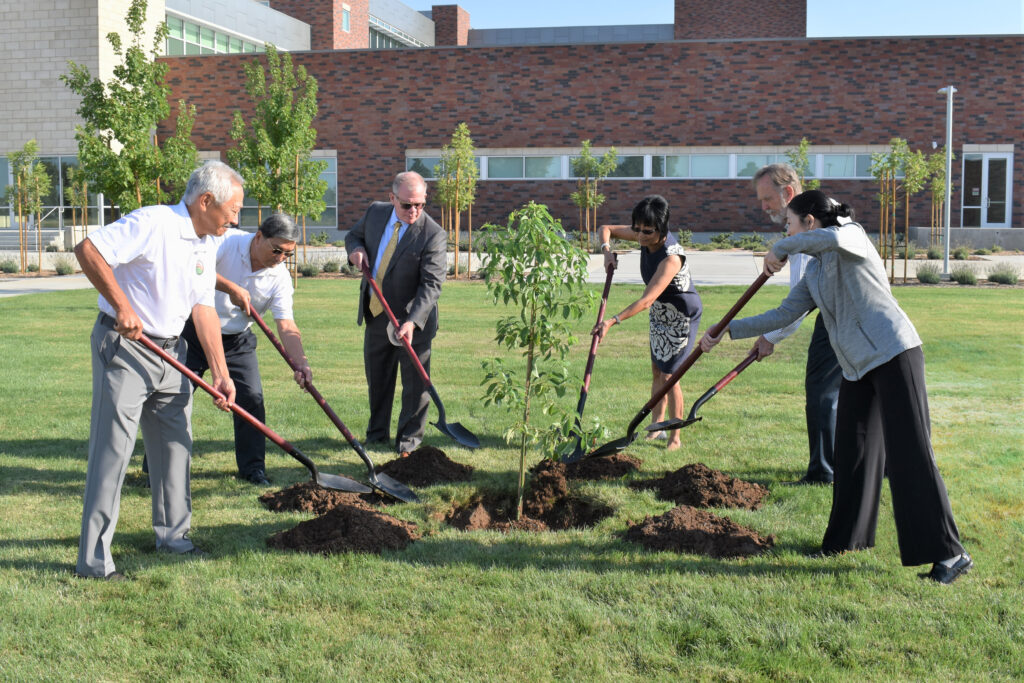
(580, 605)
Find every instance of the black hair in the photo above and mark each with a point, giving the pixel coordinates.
(281, 226)
(818, 204)
(652, 211)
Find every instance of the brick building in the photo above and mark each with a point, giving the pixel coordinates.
(691, 108)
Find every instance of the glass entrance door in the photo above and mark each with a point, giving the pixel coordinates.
(986, 200)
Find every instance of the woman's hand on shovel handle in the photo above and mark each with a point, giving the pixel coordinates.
(772, 263)
(708, 342)
(602, 328)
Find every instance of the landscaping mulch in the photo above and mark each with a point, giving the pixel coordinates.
(685, 529)
(700, 486)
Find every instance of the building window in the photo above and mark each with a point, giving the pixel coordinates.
(543, 167)
(346, 17)
(186, 37)
(846, 165)
(505, 167)
(709, 165)
(57, 212)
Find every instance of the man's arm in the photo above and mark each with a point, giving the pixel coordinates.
(355, 241)
(239, 295)
(207, 324)
(433, 270)
(101, 275)
(291, 339)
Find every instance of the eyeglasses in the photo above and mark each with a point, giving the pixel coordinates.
(646, 232)
(409, 205)
(277, 251)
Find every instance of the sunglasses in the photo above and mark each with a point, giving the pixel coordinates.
(646, 232)
(408, 205)
(277, 251)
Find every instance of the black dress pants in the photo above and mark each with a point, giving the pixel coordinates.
(381, 361)
(883, 420)
(821, 388)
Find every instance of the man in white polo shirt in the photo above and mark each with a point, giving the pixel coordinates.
(251, 272)
(153, 269)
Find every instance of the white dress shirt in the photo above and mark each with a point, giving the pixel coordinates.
(269, 288)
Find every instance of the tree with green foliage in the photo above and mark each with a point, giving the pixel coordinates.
(886, 168)
(273, 152)
(76, 190)
(531, 266)
(457, 174)
(915, 176)
(31, 183)
(937, 185)
(117, 147)
(799, 159)
(589, 171)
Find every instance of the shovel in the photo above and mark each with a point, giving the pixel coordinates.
(677, 423)
(380, 482)
(328, 481)
(621, 444)
(454, 430)
(578, 452)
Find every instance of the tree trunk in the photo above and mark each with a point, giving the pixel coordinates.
(469, 250)
(906, 235)
(526, 416)
(21, 226)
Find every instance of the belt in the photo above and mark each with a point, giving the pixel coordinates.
(162, 342)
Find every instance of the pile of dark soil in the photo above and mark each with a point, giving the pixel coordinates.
(310, 497)
(347, 528)
(686, 529)
(547, 504)
(614, 466)
(700, 486)
(425, 466)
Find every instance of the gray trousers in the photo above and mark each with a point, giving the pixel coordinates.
(132, 387)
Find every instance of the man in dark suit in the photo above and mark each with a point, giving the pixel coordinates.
(407, 255)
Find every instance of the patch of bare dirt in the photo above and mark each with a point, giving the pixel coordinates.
(700, 486)
(613, 466)
(347, 529)
(310, 497)
(547, 504)
(425, 466)
(685, 529)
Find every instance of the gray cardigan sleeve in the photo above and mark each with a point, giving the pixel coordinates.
(793, 307)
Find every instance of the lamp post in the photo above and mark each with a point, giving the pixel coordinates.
(948, 92)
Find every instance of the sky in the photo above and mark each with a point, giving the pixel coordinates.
(824, 17)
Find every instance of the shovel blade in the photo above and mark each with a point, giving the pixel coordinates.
(613, 446)
(458, 433)
(339, 483)
(674, 423)
(393, 487)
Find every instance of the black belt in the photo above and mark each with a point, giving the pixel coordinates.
(162, 342)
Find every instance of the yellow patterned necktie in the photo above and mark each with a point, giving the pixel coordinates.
(375, 306)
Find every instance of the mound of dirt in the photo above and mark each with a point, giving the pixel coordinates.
(700, 486)
(614, 466)
(547, 504)
(425, 466)
(686, 529)
(347, 529)
(310, 497)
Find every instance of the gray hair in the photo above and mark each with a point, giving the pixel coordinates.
(214, 177)
(407, 178)
(280, 226)
(781, 175)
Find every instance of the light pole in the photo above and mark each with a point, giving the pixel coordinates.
(948, 92)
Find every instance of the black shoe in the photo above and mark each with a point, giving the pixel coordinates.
(112, 576)
(259, 478)
(809, 481)
(947, 575)
(195, 553)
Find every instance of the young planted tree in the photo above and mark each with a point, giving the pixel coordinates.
(533, 268)
(885, 167)
(456, 187)
(590, 170)
(77, 192)
(31, 183)
(800, 161)
(915, 175)
(117, 147)
(937, 185)
(273, 152)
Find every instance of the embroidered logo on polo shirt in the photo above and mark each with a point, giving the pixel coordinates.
(199, 267)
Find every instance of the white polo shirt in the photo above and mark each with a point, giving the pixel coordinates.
(269, 288)
(162, 265)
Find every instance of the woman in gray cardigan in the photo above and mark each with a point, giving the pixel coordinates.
(882, 398)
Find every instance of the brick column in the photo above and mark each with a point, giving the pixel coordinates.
(720, 19)
(326, 22)
(451, 25)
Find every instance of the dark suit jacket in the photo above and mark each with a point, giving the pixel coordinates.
(412, 283)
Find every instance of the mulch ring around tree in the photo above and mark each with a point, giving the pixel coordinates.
(700, 486)
(547, 505)
(685, 529)
(425, 466)
(347, 528)
(308, 496)
(613, 466)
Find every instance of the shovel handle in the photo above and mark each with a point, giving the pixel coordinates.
(595, 340)
(236, 409)
(394, 321)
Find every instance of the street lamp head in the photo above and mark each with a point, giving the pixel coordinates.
(943, 91)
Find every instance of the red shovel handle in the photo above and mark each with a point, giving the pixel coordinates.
(394, 321)
(751, 357)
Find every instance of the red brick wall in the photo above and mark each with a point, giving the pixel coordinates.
(375, 104)
(451, 25)
(325, 20)
(716, 19)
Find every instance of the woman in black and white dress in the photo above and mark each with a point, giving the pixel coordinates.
(674, 303)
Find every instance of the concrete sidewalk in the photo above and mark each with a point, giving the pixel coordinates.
(34, 285)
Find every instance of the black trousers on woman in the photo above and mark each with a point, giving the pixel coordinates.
(884, 417)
